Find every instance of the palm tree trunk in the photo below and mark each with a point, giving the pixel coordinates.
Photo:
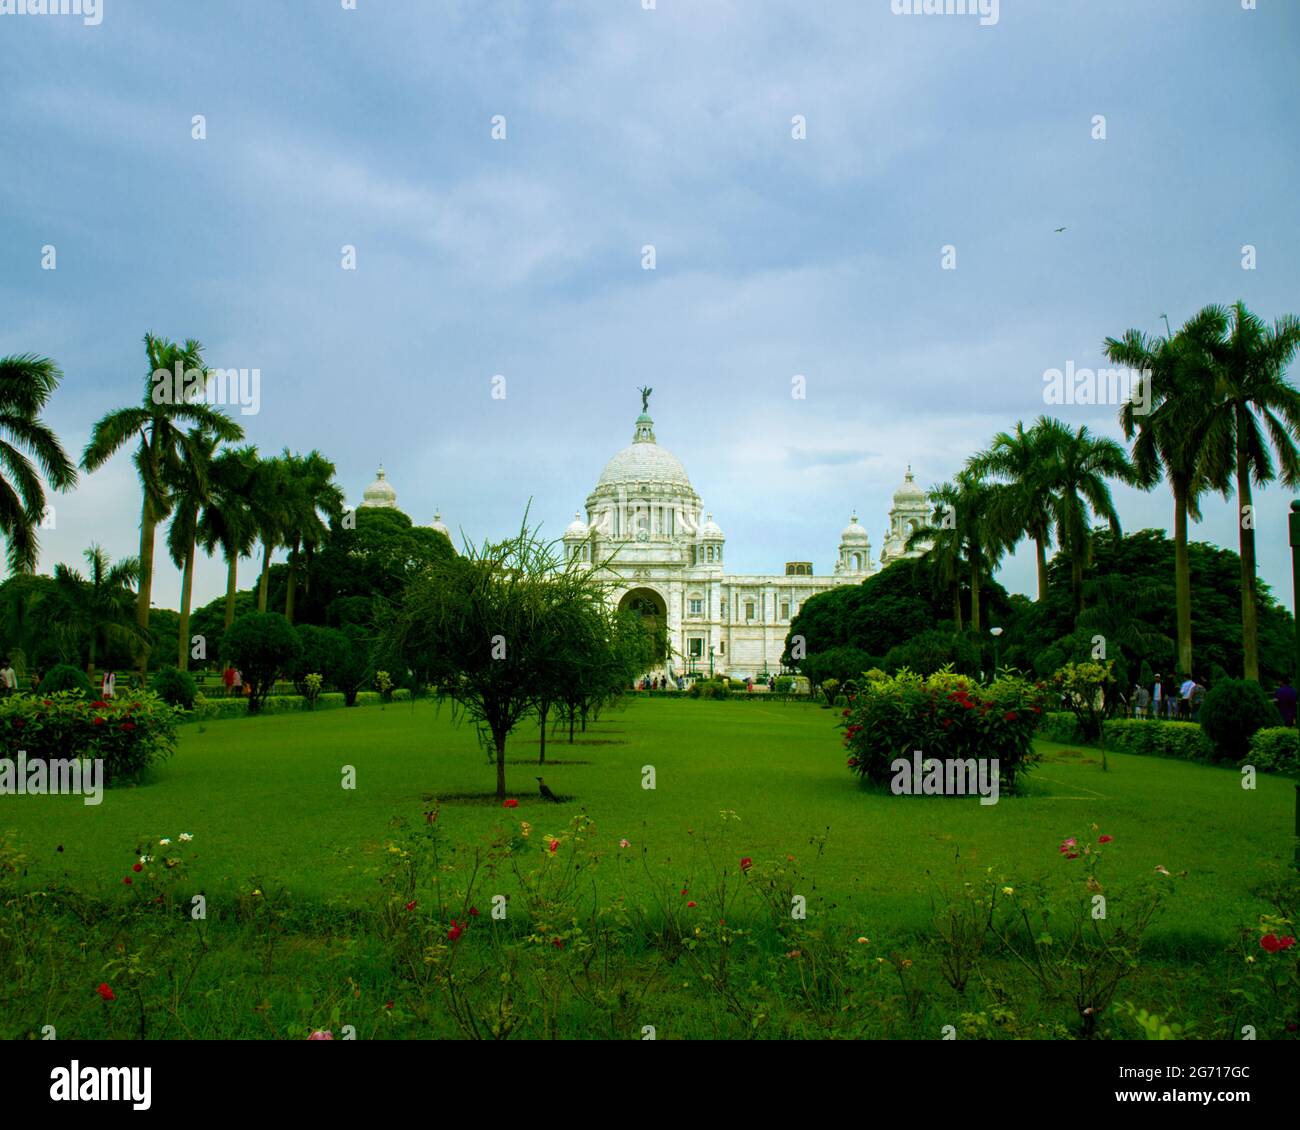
(1182, 579)
(1249, 626)
(148, 524)
(232, 583)
(956, 604)
(1040, 550)
(1076, 579)
(292, 587)
(266, 576)
(187, 596)
(975, 591)
(90, 667)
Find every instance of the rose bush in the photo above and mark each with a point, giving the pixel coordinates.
(945, 716)
(129, 732)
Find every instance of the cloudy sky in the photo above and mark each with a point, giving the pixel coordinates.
(775, 256)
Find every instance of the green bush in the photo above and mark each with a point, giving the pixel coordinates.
(64, 677)
(1275, 749)
(784, 683)
(1233, 710)
(175, 687)
(945, 717)
(1183, 740)
(1060, 726)
(261, 645)
(129, 732)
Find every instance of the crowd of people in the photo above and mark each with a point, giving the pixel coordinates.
(1179, 699)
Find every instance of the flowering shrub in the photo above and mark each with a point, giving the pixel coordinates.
(130, 732)
(945, 716)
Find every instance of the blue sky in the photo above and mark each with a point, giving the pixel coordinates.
(625, 127)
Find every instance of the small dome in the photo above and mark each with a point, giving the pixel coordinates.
(710, 530)
(439, 525)
(909, 491)
(853, 533)
(380, 492)
(577, 528)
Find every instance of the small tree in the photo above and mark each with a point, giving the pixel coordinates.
(260, 645)
(485, 624)
(1085, 686)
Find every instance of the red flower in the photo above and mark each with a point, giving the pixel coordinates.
(98, 704)
(683, 890)
(1104, 839)
(137, 867)
(746, 863)
(99, 721)
(1271, 942)
(511, 803)
(554, 845)
(1287, 942)
(558, 943)
(473, 911)
(127, 880)
(853, 761)
(47, 702)
(946, 723)
(411, 905)
(128, 725)
(692, 904)
(105, 992)
(455, 931)
(846, 714)
(1009, 716)
(389, 1004)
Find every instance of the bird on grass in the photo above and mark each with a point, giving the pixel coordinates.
(546, 793)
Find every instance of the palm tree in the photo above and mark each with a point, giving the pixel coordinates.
(1025, 460)
(85, 613)
(268, 500)
(189, 487)
(158, 424)
(1080, 491)
(962, 533)
(311, 490)
(1167, 433)
(1246, 361)
(26, 383)
(227, 517)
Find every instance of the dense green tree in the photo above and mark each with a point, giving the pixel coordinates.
(261, 646)
(227, 519)
(88, 615)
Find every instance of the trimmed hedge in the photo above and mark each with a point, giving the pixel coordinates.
(1275, 749)
(213, 708)
(1183, 740)
(1060, 726)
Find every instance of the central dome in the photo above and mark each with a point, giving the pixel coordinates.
(644, 461)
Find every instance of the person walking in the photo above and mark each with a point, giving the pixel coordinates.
(1185, 698)
(1285, 697)
(8, 677)
(237, 683)
(1141, 700)
(108, 688)
(1157, 699)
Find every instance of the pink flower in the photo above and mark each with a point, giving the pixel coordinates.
(746, 863)
(554, 845)
(624, 843)
(1104, 839)
(320, 1035)
(1068, 845)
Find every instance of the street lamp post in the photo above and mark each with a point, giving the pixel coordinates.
(710, 661)
(995, 633)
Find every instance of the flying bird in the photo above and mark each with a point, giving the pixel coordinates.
(546, 793)
(1060, 229)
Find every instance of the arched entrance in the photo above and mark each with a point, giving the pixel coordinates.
(651, 607)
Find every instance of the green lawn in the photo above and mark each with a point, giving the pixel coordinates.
(262, 797)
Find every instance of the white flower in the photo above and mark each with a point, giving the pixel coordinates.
(164, 841)
(146, 859)
(185, 837)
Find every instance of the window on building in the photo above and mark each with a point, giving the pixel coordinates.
(724, 609)
(709, 552)
(696, 606)
(749, 610)
(695, 648)
(785, 610)
(722, 647)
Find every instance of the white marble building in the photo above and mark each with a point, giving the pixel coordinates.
(669, 555)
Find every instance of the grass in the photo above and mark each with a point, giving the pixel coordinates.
(263, 798)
